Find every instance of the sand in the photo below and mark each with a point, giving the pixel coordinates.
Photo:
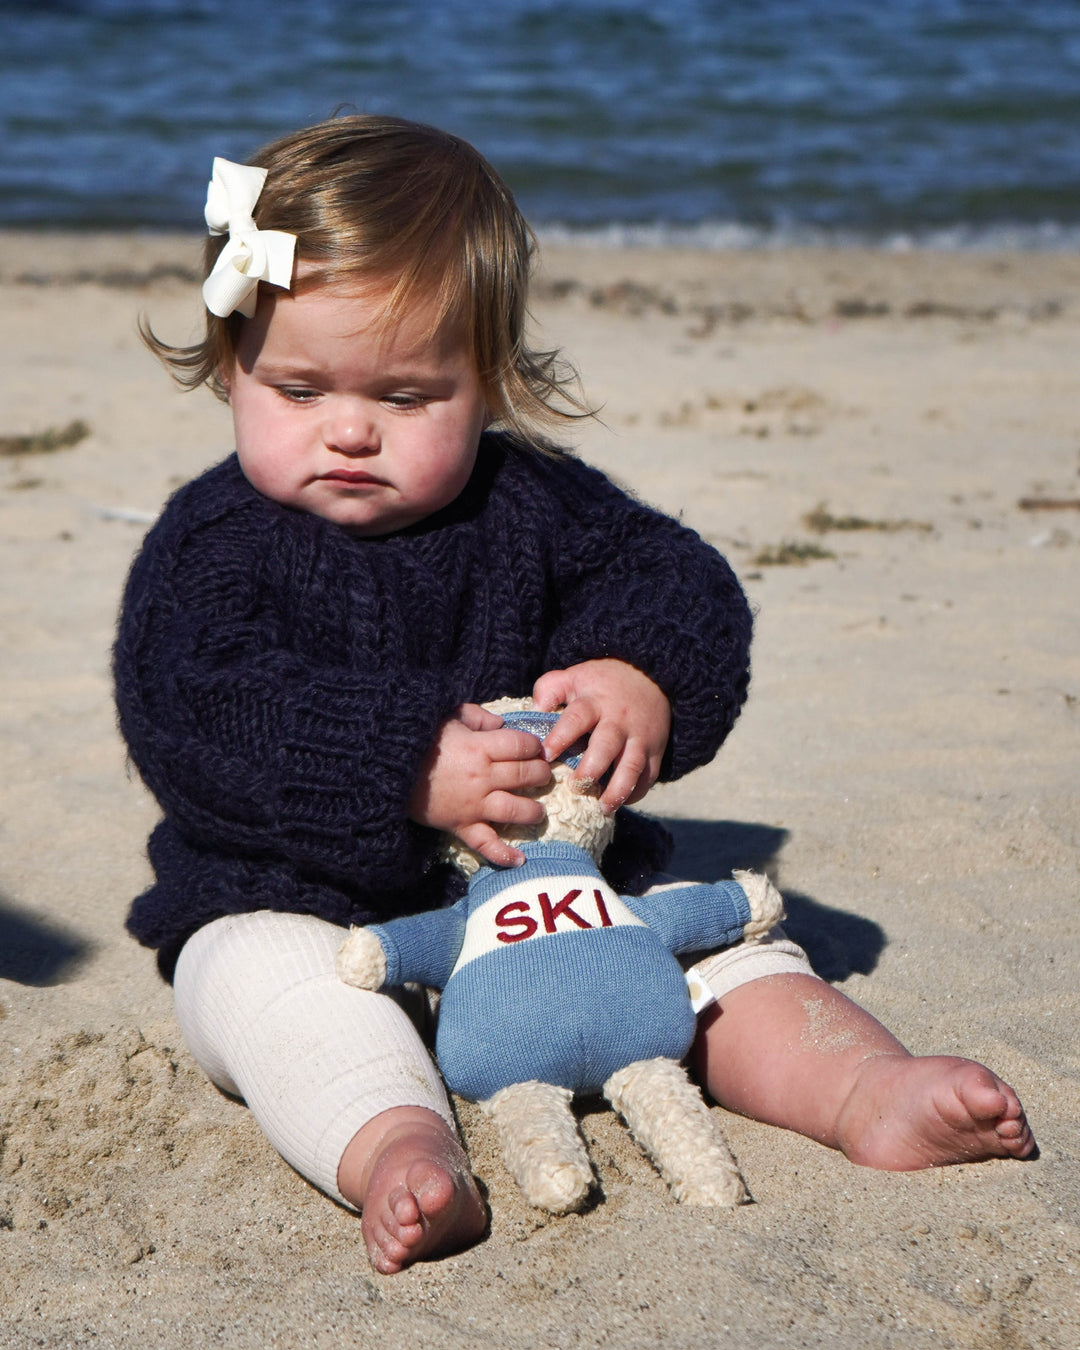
(906, 770)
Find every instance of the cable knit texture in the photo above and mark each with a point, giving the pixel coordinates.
(279, 680)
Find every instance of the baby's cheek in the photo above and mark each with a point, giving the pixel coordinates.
(266, 473)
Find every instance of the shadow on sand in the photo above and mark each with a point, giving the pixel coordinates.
(838, 944)
(35, 952)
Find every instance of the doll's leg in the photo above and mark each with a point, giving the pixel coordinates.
(337, 1078)
(664, 1112)
(542, 1145)
(791, 1050)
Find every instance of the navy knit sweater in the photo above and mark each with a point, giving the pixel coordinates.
(279, 680)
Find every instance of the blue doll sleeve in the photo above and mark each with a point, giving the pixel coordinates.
(422, 947)
(694, 917)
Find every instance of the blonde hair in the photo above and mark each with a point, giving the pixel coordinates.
(373, 198)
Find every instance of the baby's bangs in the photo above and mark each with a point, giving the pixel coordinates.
(415, 244)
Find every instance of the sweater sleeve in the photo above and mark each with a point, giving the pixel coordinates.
(635, 584)
(251, 745)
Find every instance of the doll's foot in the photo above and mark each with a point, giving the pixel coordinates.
(907, 1112)
(417, 1194)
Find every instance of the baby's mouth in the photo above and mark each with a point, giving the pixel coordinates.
(357, 476)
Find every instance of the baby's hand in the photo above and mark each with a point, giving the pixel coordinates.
(625, 715)
(469, 780)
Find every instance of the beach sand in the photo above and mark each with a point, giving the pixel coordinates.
(906, 769)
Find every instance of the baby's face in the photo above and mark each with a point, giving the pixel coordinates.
(371, 427)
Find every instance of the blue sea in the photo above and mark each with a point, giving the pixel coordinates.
(894, 122)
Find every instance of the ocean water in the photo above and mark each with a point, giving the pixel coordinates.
(952, 122)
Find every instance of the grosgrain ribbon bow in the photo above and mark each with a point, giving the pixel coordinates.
(251, 255)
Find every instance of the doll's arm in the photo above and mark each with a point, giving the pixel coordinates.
(693, 916)
(361, 960)
(417, 947)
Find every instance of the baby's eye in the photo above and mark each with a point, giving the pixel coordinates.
(404, 401)
(297, 393)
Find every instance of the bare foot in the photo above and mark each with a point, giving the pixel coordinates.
(409, 1176)
(906, 1112)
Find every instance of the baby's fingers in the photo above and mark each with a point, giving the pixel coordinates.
(576, 722)
(477, 718)
(520, 775)
(552, 690)
(482, 839)
(507, 808)
(630, 779)
(506, 744)
(610, 753)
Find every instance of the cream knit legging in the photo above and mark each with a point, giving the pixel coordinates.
(267, 1019)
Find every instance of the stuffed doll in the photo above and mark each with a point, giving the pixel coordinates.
(554, 985)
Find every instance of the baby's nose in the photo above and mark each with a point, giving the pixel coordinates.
(352, 430)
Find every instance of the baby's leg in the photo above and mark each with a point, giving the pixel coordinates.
(791, 1050)
(337, 1078)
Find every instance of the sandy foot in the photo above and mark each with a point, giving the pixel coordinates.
(906, 1113)
(419, 1197)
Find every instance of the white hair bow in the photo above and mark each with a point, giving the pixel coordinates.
(251, 255)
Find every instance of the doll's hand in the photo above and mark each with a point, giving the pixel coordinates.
(625, 715)
(469, 780)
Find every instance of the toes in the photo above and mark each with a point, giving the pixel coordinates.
(1016, 1137)
(431, 1190)
(381, 1263)
(1013, 1112)
(386, 1253)
(980, 1095)
(995, 1109)
(405, 1209)
(395, 1236)
(404, 1232)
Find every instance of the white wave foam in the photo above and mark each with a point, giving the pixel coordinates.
(733, 236)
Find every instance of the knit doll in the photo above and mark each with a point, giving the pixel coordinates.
(554, 985)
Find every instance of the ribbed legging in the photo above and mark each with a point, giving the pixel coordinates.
(267, 1019)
